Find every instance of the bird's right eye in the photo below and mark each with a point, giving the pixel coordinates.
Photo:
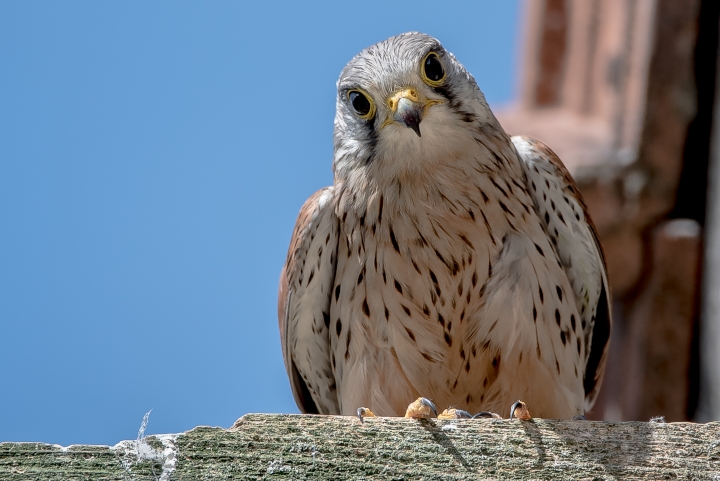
(361, 104)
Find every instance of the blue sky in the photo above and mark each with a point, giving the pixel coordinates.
(153, 157)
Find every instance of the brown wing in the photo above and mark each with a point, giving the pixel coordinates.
(567, 222)
(304, 305)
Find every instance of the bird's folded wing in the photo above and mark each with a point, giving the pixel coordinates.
(564, 216)
(304, 304)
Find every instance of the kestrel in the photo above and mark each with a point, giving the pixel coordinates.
(447, 261)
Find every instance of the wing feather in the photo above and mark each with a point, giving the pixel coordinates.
(564, 215)
(304, 305)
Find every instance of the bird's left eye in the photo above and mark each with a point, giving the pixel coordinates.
(432, 70)
(361, 104)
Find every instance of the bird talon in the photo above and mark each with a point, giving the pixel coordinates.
(421, 408)
(486, 415)
(363, 413)
(519, 410)
(452, 413)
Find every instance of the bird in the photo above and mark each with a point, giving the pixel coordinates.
(448, 262)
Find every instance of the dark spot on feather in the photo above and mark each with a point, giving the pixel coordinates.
(410, 333)
(557, 366)
(406, 309)
(338, 327)
(474, 352)
(572, 321)
(426, 310)
(387, 314)
(398, 287)
(449, 326)
(462, 354)
(563, 338)
(485, 197)
(394, 241)
(448, 339)
(326, 319)
(441, 319)
(542, 297)
(427, 357)
(467, 366)
(365, 307)
(498, 187)
(539, 250)
(312, 273)
(337, 292)
(462, 315)
(557, 317)
(547, 218)
(534, 313)
(417, 269)
(360, 277)
(559, 292)
(384, 277)
(467, 241)
(493, 326)
(496, 363)
(474, 279)
(504, 207)
(472, 214)
(380, 210)
(560, 216)
(578, 345)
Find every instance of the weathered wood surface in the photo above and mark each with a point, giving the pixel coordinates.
(263, 446)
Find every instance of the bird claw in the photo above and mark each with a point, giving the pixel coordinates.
(579, 417)
(363, 413)
(519, 410)
(421, 408)
(486, 415)
(452, 413)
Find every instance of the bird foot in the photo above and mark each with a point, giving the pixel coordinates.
(519, 410)
(421, 408)
(363, 413)
(452, 413)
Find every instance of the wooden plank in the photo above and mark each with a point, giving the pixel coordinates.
(262, 446)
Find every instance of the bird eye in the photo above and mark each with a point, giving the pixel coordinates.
(361, 104)
(432, 70)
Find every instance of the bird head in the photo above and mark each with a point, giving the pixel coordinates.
(405, 105)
